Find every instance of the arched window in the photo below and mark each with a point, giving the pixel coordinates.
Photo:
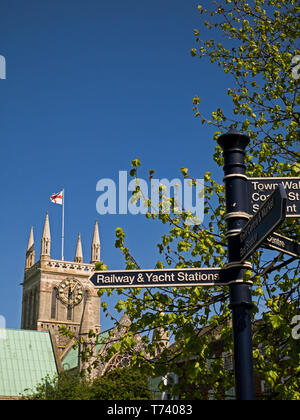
(35, 307)
(26, 310)
(85, 297)
(69, 312)
(31, 309)
(53, 302)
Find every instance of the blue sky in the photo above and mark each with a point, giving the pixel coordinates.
(90, 86)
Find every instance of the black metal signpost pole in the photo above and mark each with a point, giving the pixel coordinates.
(234, 144)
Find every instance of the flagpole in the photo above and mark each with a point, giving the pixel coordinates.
(63, 225)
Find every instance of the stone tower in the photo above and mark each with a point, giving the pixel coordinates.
(58, 293)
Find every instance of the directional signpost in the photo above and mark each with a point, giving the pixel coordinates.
(259, 190)
(265, 220)
(173, 277)
(283, 244)
(269, 200)
(157, 278)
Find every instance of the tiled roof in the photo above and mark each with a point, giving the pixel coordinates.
(26, 357)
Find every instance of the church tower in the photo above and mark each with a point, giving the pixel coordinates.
(59, 293)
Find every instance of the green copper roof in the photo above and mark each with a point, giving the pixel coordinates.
(26, 357)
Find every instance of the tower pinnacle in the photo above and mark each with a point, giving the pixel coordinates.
(78, 253)
(95, 257)
(30, 252)
(46, 239)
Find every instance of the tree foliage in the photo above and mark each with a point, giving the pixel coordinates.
(120, 384)
(255, 43)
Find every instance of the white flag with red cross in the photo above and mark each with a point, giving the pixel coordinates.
(57, 198)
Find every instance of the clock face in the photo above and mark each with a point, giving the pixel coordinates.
(70, 291)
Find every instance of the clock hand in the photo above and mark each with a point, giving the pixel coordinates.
(76, 284)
